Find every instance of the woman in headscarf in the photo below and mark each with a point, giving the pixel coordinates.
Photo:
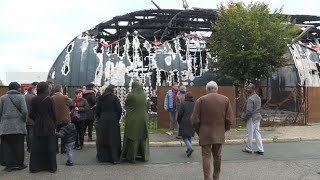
(136, 141)
(108, 114)
(13, 116)
(43, 150)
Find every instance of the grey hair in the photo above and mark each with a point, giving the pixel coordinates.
(251, 86)
(183, 89)
(212, 86)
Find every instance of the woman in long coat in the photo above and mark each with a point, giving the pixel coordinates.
(13, 116)
(184, 120)
(43, 150)
(108, 113)
(136, 141)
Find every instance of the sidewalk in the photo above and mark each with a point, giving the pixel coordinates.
(310, 132)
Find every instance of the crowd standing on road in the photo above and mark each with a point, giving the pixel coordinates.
(45, 115)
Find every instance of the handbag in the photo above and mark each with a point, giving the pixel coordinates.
(75, 116)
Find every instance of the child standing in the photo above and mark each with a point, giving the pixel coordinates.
(68, 132)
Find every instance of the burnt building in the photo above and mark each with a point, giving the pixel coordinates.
(161, 46)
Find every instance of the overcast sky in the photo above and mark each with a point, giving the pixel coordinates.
(34, 32)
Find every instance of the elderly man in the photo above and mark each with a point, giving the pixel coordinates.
(253, 117)
(211, 118)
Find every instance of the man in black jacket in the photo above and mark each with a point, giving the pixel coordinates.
(90, 96)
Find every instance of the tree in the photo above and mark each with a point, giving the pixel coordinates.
(1, 84)
(248, 42)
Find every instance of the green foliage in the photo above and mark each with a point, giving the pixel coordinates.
(249, 42)
(1, 84)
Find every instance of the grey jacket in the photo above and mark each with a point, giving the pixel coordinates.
(253, 107)
(13, 119)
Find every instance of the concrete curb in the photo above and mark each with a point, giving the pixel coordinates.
(228, 142)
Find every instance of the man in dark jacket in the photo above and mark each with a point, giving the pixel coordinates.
(90, 95)
(62, 104)
(32, 92)
(68, 133)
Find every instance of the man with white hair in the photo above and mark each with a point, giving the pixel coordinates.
(211, 118)
(253, 117)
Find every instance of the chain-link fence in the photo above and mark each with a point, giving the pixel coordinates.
(280, 106)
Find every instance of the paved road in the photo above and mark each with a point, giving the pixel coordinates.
(288, 161)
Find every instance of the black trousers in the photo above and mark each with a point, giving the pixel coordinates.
(12, 150)
(80, 125)
(62, 148)
(89, 125)
(29, 137)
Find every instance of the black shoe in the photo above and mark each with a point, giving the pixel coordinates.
(63, 151)
(22, 167)
(190, 152)
(132, 161)
(53, 171)
(115, 162)
(259, 152)
(69, 163)
(178, 137)
(79, 147)
(8, 169)
(246, 151)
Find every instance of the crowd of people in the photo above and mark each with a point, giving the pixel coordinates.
(44, 115)
(210, 117)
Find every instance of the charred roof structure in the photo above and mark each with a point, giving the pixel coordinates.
(159, 47)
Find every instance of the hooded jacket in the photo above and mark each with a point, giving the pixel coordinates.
(68, 133)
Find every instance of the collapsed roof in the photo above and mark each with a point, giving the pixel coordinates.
(165, 24)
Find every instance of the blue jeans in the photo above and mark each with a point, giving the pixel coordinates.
(187, 141)
(172, 119)
(69, 149)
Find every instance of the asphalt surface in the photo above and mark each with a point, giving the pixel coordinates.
(283, 161)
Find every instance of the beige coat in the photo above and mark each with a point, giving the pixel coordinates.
(62, 105)
(211, 118)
